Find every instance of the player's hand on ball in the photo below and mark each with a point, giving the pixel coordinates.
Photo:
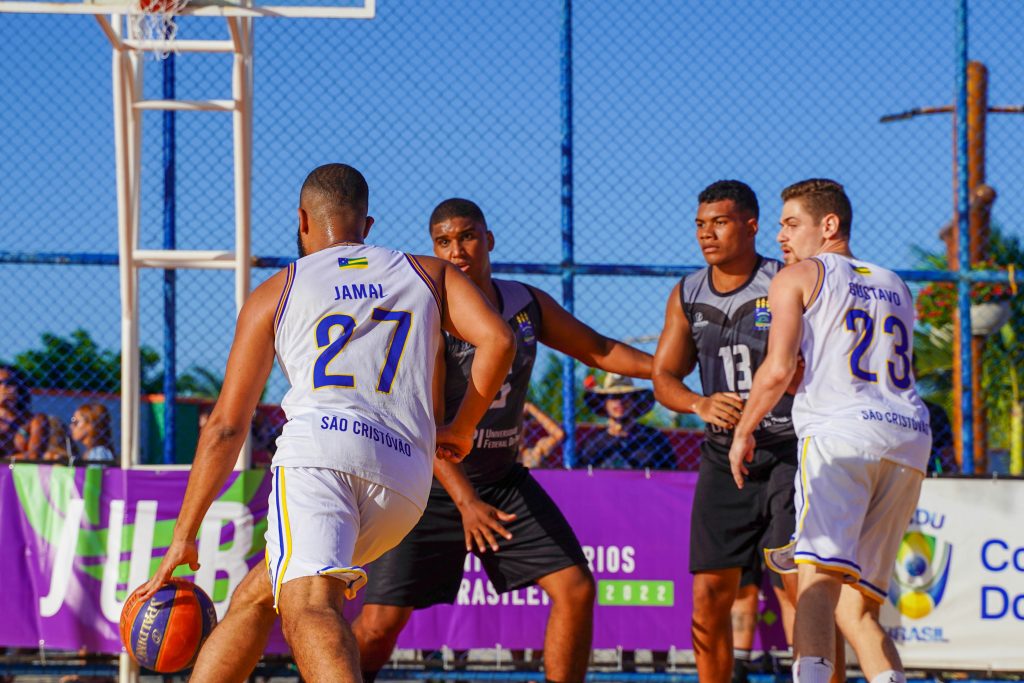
(180, 552)
(481, 522)
(722, 409)
(452, 446)
(741, 452)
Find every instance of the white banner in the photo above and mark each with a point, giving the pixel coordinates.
(956, 598)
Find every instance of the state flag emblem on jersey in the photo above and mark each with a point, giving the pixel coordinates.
(762, 314)
(862, 270)
(346, 263)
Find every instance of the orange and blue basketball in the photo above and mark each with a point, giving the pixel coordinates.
(164, 633)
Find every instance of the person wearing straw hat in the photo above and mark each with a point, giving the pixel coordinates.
(625, 443)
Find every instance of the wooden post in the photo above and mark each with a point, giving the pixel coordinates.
(981, 202)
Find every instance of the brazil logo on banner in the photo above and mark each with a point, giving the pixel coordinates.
(921, 575)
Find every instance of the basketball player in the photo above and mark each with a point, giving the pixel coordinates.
(490, 502)
(864, 431)
(718, 320)
(353, 466)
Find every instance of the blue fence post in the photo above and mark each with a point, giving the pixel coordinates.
(964, 244)
(568, 293)
(170, 275)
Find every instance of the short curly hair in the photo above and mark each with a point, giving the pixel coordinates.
(739, 192)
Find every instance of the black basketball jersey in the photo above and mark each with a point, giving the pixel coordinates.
(730, 331)
(496, 439)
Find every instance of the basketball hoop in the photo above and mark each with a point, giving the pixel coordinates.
(156, 21)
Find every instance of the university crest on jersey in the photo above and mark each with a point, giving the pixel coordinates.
(762, 314)
(526, 330)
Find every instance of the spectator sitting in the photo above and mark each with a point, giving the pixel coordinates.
(90, 426)
(533, 456)
(625, 443)
(23, 436)
(58, 446)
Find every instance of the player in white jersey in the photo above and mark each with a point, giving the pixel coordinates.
(357, 330)
(864, 431)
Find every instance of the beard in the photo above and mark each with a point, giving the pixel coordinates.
(298, 242)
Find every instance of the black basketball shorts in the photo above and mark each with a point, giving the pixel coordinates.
(730, 527)
(426, 567)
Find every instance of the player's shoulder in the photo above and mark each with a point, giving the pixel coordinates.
(770, 266)
(521, 292)
(693, 282)
(266, 300)
(430, 264)
(273, 285)
(810, 270)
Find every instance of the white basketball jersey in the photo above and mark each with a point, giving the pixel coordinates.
(857, 344)
(358, 329)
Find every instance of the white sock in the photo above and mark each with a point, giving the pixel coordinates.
(890, 676)
(813, 670)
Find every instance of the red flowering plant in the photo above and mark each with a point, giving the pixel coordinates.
(937, 301)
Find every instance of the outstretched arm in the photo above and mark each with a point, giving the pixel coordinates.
(675, 359)
(469, 316)
(249, 364)
(786, 296)
(560, 330)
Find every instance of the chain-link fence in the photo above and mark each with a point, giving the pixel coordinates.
(434, 100)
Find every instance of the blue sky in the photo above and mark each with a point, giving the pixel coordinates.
(433, 100)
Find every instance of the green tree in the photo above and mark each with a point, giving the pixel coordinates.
(1002, 362)
(78, 363)
(202, 382)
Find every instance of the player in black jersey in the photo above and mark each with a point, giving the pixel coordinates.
(492, 503)
(717, 319)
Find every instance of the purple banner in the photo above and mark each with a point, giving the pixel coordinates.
(635, 531)
(78, 540)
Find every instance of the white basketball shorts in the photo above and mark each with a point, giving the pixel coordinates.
(852, 509)
(323, 522)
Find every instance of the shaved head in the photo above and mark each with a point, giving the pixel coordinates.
(335, 188)
(334, 198)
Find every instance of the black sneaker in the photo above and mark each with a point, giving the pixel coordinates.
(740, 671)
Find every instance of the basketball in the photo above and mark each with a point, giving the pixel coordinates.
(164, 633)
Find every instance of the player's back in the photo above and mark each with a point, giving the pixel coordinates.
(857, 345)
(357, 332)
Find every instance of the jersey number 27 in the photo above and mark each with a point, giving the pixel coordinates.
(332, 348)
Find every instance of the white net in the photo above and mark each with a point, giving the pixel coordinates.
(156, 22)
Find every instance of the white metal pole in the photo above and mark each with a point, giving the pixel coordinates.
(127, 669)
(241, 92)
(126, 270)
(135, 65)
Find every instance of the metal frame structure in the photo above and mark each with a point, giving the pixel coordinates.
(127, 77)
(128, 102)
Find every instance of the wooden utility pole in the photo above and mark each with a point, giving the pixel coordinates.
(982, 197)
